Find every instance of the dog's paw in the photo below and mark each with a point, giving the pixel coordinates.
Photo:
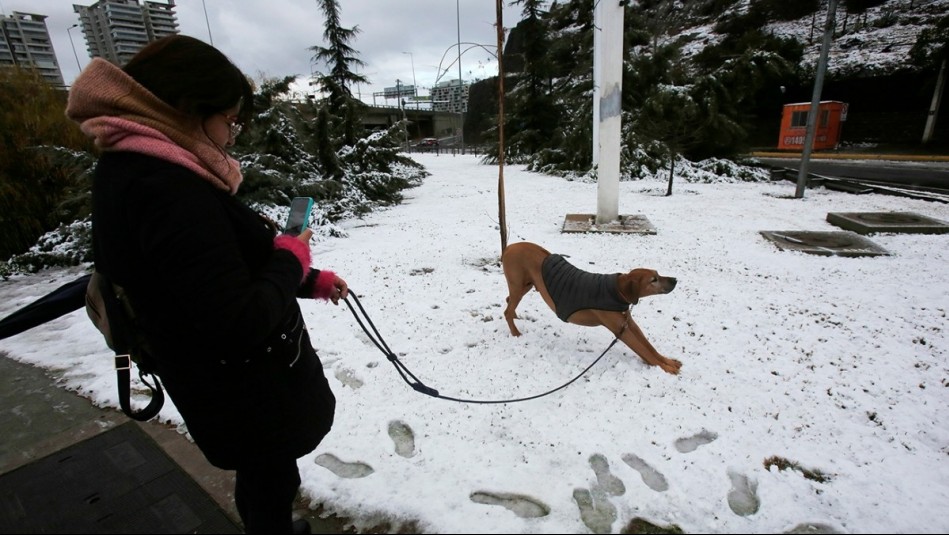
(671, 366)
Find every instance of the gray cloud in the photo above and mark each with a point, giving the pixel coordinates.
(270, 38)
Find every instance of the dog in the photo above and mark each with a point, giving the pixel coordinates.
(583, 298)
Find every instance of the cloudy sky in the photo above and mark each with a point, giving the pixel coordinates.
(397, 40)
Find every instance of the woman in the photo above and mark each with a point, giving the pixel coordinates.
(215, 290)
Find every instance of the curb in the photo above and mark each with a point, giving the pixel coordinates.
(854, 156)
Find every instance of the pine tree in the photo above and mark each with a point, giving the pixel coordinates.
(341, 60)
(535, 114)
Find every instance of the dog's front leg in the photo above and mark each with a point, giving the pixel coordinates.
(634, 338)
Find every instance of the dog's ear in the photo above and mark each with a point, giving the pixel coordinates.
(629, 285)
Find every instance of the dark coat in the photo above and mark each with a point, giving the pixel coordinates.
(218, 305)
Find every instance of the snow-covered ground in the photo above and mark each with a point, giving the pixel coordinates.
(814, 390)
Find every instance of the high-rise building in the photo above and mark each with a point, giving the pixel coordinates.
(25, 43)
(450, 96)
(116, 29)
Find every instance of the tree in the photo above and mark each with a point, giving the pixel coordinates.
(342, 61)
(534, 114)
(41, 160)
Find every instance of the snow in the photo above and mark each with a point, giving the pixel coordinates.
(836, 366)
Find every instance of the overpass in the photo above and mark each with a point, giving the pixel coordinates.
(422, 122)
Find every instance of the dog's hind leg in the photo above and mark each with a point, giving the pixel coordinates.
(515, 294)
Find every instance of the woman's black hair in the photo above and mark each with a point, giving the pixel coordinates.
(192, 76)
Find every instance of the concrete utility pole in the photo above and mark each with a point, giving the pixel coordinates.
(815, 99)
(934, 107)
(607, 105)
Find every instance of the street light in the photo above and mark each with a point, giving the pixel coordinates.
(69, 31)
(414, 84)
(461, 82)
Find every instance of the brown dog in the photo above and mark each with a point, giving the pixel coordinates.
(584, 298)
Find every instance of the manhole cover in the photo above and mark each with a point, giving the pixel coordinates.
(897, 222)
(630, 224)
(824, 243)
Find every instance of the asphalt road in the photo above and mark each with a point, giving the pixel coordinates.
(926, 174)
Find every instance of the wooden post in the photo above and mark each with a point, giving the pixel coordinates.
(502, 217)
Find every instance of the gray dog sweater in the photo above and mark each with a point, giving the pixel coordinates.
(573, 289)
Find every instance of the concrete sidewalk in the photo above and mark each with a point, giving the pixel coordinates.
(39, 418)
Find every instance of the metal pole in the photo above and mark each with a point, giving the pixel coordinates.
(815, 100)
(934, 106)
(414, 83)
(461, 82)
(207, 22)
(69, 31)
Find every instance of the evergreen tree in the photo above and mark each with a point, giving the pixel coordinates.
(43, 160)
(534, 114)
(341, 60)
(569, 147)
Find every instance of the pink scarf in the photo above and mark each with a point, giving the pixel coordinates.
(121, 115)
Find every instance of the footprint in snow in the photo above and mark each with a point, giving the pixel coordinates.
(743, 497)
(343, 469)
(596, 511)
(403, 438)
(610, 484)
(348, 378)
(651, 477)
(690, 444)
(520, 505)
(815, 528)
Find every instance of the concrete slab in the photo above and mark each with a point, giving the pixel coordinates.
(895, 222)
(627, 224)
(824, 243)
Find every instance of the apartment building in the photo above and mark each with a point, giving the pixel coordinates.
(116, 29)
(450, 96)
(25, 43)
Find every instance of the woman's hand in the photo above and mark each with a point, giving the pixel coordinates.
(305, 236)
(340, 290)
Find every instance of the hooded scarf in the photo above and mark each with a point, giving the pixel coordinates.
(121, 115)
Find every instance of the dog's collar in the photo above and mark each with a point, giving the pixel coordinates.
(621, 294)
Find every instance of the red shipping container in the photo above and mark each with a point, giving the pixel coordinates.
(831, 115)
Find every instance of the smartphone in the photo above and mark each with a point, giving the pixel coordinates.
(299, 215)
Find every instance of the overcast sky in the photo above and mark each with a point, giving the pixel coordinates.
(270, 38)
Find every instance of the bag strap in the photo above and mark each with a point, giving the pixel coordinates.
(123, 359)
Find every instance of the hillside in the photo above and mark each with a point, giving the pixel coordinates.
(873, 43)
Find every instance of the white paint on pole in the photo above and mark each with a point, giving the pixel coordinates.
(607, 105)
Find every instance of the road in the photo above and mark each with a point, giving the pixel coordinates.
(925, 174)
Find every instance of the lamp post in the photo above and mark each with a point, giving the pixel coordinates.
(69, 31)
(207, 22)
(414, 83)
(461, 82)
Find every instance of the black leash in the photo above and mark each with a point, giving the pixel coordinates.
(420, 387)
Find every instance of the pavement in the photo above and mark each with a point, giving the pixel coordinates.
(39, 419)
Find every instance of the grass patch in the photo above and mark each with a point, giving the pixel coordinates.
(784, 464)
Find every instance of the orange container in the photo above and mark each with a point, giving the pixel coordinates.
(831, 115)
